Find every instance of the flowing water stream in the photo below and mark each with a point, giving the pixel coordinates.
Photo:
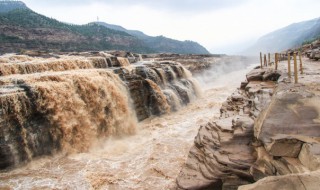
(150, 159)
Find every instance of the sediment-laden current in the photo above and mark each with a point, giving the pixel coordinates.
(86, 106)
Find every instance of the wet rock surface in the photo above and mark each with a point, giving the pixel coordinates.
(268, 132)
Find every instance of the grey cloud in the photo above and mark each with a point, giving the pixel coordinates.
(170, 5)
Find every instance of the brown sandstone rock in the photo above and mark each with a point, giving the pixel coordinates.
(310, 181)
(284, 151)
(222, 155)
(265, 74)
(255, 75)
(310, 156)
(300, 115)
(286, 147)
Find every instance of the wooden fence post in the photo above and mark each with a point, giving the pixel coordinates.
(261, 60)
(276, 60)
(289, 66)
(265, 60)
(301, 67)
(295, 68)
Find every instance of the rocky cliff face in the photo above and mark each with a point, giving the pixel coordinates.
(53, 103)
(267, 132)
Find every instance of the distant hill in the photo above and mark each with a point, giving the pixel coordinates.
(161, 44)
(23, 29)
(288, 37)
(120, 28)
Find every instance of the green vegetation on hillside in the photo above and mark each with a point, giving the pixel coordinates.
(311, 40)
(23, 28)
(28, 19)
(162, 44)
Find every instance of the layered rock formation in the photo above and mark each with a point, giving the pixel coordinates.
(288, 133)
(51, 103)
(267, 132)
(223, 153)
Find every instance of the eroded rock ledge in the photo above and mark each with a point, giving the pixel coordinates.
(266, 130)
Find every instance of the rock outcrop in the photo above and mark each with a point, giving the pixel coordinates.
(223, 151)
(288, 132)
(309, 181)
(267, 132)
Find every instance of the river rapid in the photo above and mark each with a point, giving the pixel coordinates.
(150, 159)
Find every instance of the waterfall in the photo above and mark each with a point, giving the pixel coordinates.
(173, 99)
(158, 102)
(175, 84)
(43, 65)
(140, 57)
(66, 110)
(67, 103)
(123, 61)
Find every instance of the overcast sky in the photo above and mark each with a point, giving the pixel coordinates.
(222, 26)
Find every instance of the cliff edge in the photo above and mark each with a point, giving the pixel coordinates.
(267, 136)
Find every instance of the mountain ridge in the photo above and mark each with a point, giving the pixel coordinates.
(291, 36)
(21, 28)
(161, 43)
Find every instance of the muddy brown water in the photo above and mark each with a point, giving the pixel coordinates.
(150, 159)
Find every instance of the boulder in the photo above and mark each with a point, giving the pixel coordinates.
(265, 74)
(255, 75)
(271, 75)
(300, 111)
(284, 147)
